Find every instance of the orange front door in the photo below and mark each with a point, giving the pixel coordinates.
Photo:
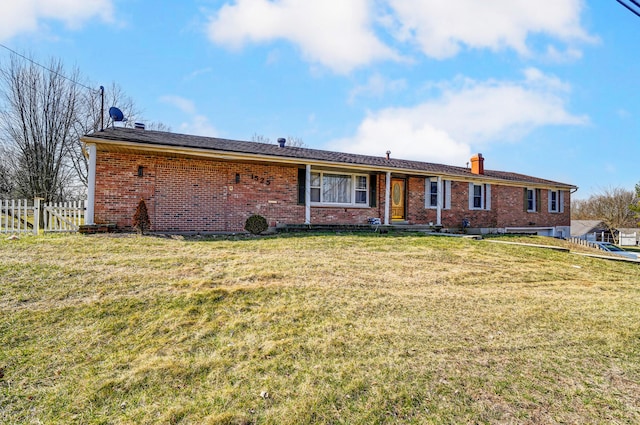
(397, 199)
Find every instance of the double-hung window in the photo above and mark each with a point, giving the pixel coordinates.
(479, 196)
(339, 189)
(556, 201)
(532, 200)
(431, 195)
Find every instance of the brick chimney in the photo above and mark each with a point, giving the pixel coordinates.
(477, 164)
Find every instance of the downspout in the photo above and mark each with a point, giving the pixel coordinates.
(307, 194)
(387, 197)
(439, 202)
(91, 185)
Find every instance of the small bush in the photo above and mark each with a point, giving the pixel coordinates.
(141, 218)
(256, 224)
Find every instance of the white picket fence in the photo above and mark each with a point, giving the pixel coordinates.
(64, 216)
(18, 216)
(584, 242)
(22, 217)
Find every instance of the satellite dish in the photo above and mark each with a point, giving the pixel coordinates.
(116, 114)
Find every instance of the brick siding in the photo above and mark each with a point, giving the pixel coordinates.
(201, 195)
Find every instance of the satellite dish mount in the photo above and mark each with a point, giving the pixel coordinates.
(116, 115)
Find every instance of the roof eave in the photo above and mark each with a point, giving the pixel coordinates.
(236, 156)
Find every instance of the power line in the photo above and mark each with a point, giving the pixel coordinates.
(49, 69)
(630, 8)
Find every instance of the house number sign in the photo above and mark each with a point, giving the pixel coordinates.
(262, 180)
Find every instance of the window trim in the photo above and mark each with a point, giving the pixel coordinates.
(446, 193)
(559, 201)
(485, 197)
(536, 199)
(354, 177)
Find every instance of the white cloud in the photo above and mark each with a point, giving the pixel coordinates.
(467, 114)
(196, 124)
(185, 105)
(197, 73)
(441, 27)
(406, 138)
(26, 15)
(335, 33)
(570, 54)
(199, 125)
(377, 86)
(343, 35)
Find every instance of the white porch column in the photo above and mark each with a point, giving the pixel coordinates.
(307, 195)
(91, 185)
(439, 202)
(387, 197)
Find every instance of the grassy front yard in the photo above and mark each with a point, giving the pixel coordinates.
(352, 329)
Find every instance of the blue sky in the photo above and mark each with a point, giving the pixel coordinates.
(549, 88)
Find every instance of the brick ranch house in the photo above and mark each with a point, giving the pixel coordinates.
(195, 184)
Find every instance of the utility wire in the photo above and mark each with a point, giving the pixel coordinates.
(632, 10)
(49, 69)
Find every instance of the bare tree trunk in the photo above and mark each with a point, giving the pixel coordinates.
(43, 114)
(39, 111)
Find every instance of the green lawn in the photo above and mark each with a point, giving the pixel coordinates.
(341, 329)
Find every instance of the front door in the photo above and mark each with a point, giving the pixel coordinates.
(397, 199)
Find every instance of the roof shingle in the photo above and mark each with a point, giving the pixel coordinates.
(158, 138)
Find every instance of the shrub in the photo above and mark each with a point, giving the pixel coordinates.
(141, 218)
(256, 224)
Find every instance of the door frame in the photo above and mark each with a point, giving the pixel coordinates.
(404, 198)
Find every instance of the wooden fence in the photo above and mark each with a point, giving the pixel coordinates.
(584, 242)
(19, 216)
(22, 217)
(64, 216)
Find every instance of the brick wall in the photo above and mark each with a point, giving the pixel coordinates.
(200, 195)
(194, 195)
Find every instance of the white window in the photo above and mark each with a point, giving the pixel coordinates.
(315, 187)
(361, 189)
(532, 205)
(431, 193)
(339, 189)
(556, 201)
(479, 196)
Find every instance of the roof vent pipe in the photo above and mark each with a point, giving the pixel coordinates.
(388, 154)
(282, 142)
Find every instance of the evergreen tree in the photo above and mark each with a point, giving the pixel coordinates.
(141, 218)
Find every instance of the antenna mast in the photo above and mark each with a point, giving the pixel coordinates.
(101, 108)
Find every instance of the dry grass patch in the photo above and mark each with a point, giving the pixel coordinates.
(354, 329)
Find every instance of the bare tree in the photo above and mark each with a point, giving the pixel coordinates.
(36, 121)
(6, 178)
(291, 140)
(43, 113)
(91, 117)
(613, 206)
(635, 208)
(158, 126)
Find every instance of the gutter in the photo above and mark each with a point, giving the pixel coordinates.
(209, 153)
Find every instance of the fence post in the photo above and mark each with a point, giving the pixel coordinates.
(36, 215)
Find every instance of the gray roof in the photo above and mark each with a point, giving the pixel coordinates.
(583, 227)
(159, 138)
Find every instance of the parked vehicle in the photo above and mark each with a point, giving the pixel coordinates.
(614, 249)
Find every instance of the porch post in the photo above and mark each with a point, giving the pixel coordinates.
(307, 195)
(387, 197)
(91, 185)
(439, 202)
